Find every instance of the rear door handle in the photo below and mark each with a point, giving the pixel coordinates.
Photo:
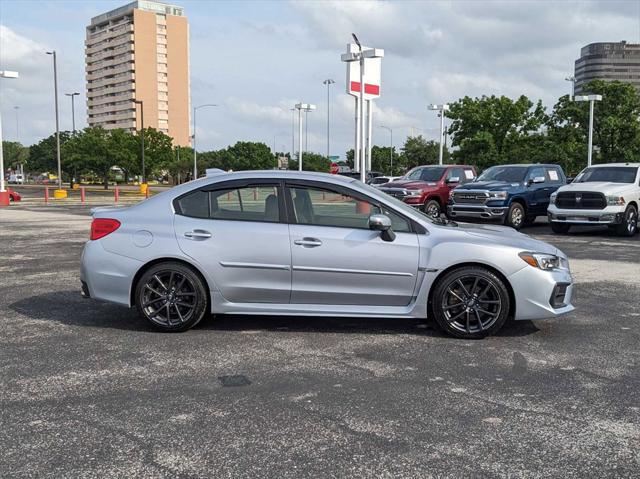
(198, 234)
(308, 242)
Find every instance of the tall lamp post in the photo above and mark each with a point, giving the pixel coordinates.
(591, 99)
(572, 79)
(441, 109)
(59, 193)
(307, 107)
(143, 182)
(195, 154)
(73, 109)
(328, 82)
(4, 195)
(390, 146)
(17, 110)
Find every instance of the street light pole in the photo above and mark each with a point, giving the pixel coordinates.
(195, 153)
(328, 82)
(307, 107)
(4, 195)
(572, 79)
(390, 146)
(441, 109)
(73, 109)
(591, 99)
(141, 103)
(60, 193)
(17, 109)
(293, 132)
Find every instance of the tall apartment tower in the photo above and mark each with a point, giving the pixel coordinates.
(608, 61)
(139, 52)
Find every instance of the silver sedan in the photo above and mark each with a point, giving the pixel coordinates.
(313, 244)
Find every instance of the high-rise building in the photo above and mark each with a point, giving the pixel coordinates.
(608, 61)
(139, 52)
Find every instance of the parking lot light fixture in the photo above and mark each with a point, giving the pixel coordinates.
(591, 99)
(59, 193)
(195, 154)
(572, 79)
(307, 107)
(441, 109)
(4, 195)
(143, 189)
(73, 109)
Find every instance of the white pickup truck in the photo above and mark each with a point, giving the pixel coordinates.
(607, 194)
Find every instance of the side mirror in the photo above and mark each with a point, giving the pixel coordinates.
(539, 179)
(454, 179)
(382, 223)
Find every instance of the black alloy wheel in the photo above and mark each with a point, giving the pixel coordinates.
(172, 297)
(471, 302)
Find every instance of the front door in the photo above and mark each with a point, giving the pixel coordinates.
(337, 259)
(541, 191)
(234, 231)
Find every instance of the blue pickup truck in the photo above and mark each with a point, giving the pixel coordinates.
(513, 194)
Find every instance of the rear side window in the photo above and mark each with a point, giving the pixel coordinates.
(554, 175)
(249, 203)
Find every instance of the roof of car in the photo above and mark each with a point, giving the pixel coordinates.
(616, 164)
(228, 175)
(527, 165)
(444, 166)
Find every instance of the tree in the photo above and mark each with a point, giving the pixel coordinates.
(485, 128)
(381, 159)
(180, 167)
(247, 155)
(89, 150)
(158, 150)
(418, 151)
(42, 155)
(312, 162)
(123, 147)
(14, 154)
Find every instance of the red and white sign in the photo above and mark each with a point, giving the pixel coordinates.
(335, 168)
(372, 75)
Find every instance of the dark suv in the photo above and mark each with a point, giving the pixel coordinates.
(428, 187)
(512, 194)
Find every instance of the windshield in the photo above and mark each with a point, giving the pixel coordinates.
(508, 174)
(610, 174)
(425, 174)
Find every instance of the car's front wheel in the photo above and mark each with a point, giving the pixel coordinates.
(629, 225)
(470, 302)
(432, 208)
(515, 216)
(171, 296)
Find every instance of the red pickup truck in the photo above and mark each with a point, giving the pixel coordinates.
(427, 187)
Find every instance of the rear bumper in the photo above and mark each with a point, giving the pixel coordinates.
(476, 211)
(542, 294)
(607, 216)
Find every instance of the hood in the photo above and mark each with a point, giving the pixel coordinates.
(504, 235)
(598, 187)
(411, 184)
(488, 185)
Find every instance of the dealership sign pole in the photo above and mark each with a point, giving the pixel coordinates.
(363, 82)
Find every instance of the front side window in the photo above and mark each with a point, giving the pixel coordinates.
(609, 174)
(247, 203)
(536, 172)
(324, 207)
(432, 174)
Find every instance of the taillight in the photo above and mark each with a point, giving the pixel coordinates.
(101, 227)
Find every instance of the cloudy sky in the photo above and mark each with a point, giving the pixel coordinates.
(257, 58)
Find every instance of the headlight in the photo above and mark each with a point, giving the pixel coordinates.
(552, 199)
(414, 192)
(615, 200)
(541, 260)
(498, 195)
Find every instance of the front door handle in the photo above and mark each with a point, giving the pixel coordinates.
(198, 234)
(308, 242)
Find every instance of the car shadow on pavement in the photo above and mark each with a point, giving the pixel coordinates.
(68, 307)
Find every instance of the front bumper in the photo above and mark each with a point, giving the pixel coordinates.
(476, 211)
(542, 294)
(611, 215)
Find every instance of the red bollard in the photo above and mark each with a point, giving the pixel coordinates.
(116, 193)
(82, 194)
(146, 192)
(46, 195)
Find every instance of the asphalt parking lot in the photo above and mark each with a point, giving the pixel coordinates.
(87, 389)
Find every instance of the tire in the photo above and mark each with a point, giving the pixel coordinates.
(171, 296)
(515, 216)
(432, 208)
(629, 225)
(560, 228)
(470, 302)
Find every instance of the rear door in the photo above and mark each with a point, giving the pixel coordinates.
(237, 232)
(337, 259)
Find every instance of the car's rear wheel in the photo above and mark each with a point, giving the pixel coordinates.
(560, 228)
(515, 216)
(470, 302)
(171, 296)
(629, 225)
(432, 208)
